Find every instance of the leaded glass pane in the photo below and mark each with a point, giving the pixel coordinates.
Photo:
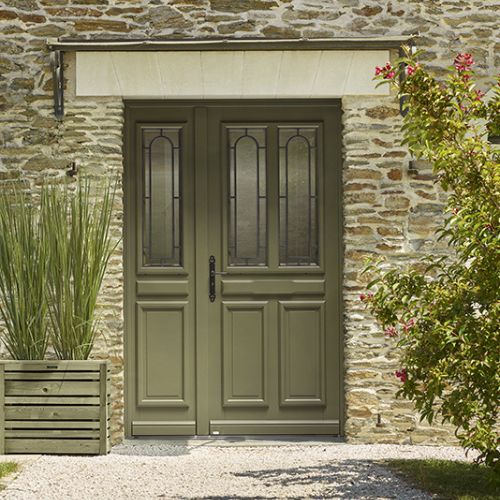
(247, 197)
(162, 197)
(298, 196)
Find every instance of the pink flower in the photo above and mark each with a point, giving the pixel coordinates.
(410, 70)
(365, 298)
(402, 375)
(390, 331)
(408, 325)
(463, 62)
(479, 94)
(386, 71)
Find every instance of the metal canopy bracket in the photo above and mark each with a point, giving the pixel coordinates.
(56, 60)
(61, 45)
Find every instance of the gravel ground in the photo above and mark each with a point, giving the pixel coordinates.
(223, 469)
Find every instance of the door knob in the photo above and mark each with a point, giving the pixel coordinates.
(211, 278)
(212, 273)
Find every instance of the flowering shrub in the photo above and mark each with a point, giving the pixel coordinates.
(444, 313)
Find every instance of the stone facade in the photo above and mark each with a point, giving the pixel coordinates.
(389, 208)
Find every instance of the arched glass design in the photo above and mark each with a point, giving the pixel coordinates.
(162, 218)
(247, 197)
(298, 217)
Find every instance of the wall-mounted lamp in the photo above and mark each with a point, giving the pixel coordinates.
(72, 169)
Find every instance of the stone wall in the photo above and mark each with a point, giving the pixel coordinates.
(389, 209)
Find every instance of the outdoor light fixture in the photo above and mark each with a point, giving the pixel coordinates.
(72, 169)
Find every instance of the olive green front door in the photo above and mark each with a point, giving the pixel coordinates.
(233, 261)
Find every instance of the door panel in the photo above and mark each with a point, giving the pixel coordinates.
(162, 357)
(245, 337)
(254, 186)
(286, 261)
(298, 194)
(165, 288)
(160, 292)
(272, 287)
(302, 353)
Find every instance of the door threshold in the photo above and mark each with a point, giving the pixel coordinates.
(248, 440)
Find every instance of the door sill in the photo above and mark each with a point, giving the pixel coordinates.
(275, 427)
(241, 440)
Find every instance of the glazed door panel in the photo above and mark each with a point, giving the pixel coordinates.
(233, 268)
(273, 230)
(161, 396)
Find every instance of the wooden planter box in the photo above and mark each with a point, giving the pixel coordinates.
(59, 407)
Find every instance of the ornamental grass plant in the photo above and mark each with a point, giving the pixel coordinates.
(53, 258)
(77, 231)
(23, 276)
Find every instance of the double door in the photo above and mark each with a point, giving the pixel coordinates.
(233, 262)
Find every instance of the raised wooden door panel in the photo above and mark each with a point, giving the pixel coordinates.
(163, 354)
(279, 286)
(302, 353)
(245, 333)
(166, 288)
(160, 271)
(274, 230)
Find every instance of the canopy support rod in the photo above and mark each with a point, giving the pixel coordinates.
(57, 63)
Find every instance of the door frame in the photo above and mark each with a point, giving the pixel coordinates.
(200, 151)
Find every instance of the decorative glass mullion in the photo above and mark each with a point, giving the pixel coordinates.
(273, 197)
(287, 211)
(172, 223)
(309, 194)
(262, 203)
(161, 217)
(298, 196)
(314, 207)
(257, 194)
(177, 220)
(247, 196)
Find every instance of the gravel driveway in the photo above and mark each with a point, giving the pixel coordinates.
(223, 469)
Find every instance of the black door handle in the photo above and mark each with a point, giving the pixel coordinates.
(211, 278)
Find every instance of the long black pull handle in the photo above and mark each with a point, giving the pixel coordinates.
(211, 278)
